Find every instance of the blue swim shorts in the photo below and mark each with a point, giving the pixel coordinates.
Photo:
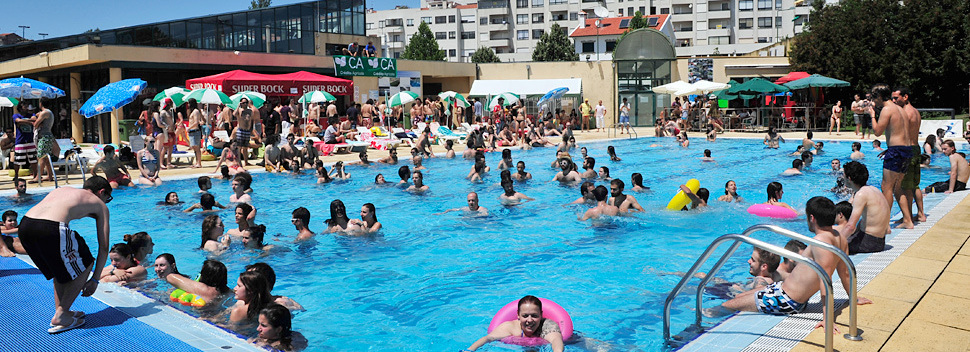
(773, 300)
(897, 158)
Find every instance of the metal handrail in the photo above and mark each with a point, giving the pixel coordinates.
(853, 290)
(616, 126)
(50, 161)
(737, 238)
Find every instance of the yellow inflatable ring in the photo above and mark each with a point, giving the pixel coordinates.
(680, 200)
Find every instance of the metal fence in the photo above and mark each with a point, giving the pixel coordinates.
(794, 118)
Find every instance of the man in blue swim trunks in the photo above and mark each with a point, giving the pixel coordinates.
(892, 122)
(792, 295)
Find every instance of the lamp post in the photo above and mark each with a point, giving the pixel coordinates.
(44, 35)
(596, 44)
(24, 31)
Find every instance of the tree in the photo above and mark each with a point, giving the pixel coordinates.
(554, 46)
(920, 44)
(259, 4)
(423, 46)
(636, 23)
(485, 55)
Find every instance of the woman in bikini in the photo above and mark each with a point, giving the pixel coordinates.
(148, 164)
(775, 192)
(229, 158)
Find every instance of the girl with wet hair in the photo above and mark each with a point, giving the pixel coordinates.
(123, 268)
(141, 245)
(637, 181)
(774, 192)
(275, 330)
(529, 324)
(252, 294)
(338, 221)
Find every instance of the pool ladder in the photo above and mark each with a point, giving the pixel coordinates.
(736, 239)
(616, 127)
(69, 154)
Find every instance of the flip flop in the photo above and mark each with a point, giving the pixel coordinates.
(76, 314)
(78, 322)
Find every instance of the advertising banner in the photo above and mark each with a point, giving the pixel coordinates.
(364, 66)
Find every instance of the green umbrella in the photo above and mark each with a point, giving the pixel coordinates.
(724, 95)
(452, 96)
(815, 81)
(8, 102)
(402, 98)
(256, 99)
(510, 98)
(757, 86)
(209, 96)
(316, 97)
(177, 94)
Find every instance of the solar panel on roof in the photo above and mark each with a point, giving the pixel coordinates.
(653, 22)
(625, 23)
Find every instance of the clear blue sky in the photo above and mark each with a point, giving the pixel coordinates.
(66, 17)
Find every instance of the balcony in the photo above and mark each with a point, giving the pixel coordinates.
(395, 45)
(719, 32)
(682, 18)
(719, 14)
(394, 29)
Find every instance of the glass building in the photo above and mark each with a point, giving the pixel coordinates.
(287, 29)
(643, 60)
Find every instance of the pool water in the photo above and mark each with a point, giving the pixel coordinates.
(433, 282)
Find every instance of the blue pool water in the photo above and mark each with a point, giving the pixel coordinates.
(430, 282)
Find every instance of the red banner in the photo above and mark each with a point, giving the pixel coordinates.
(290, 84)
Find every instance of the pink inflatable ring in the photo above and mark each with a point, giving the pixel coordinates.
(772, 211)
(550, 310)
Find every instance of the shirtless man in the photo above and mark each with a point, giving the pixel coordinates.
(472, 209)
(510, 196)
(856, 151)
(567, 175)
(332, 110)
(417, 161)
(241, 183)
(589, 164)
(242, 223)
(601, 208)
(773, 138)
(367, 113)
(391, 157)
(301, 221)
(165, 142)
(858, 112)
(910, 183)
(418, 186)
(289, 153)
(791, 296)
(520, 174)
(892, 121)
(796, 168)
(807, 142)
(959, 171)
(244, 130)
(114, 172)
(626, 203)
(868, 225)
(60, 253)
(196, 119)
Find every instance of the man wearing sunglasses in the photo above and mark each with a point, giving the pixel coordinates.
(61, 253)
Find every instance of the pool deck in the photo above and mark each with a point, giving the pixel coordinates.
(920, 299)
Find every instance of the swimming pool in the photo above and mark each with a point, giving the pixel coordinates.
(434, 282)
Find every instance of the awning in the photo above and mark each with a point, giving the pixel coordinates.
(290, 84)
(525, 86)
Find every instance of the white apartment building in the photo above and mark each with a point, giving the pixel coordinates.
(513, 27)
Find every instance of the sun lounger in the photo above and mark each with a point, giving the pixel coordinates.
(447, 133)
(379, 143)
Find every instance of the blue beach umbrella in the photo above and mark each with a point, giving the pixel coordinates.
(553, 94)
(112, 96)
(26, 88)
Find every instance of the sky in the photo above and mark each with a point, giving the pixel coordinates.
(59, 18)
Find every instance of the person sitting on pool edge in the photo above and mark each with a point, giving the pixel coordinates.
(867, 226)
(529, 324)
(787, 265)
(791, 295)
(730, 193)
(775, 192)
(626, 203)
(116, 173)
(301, 220)
(959, 171)
(206, 202)
(796, 168)
(601, 209)
(123, 268)
(472, 209)
(418, 186)
(275, 330)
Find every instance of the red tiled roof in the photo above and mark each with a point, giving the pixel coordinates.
(469, 6)
(611, 26)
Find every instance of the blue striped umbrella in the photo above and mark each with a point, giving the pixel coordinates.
(553, 94)
(112, 96)
(26, 88)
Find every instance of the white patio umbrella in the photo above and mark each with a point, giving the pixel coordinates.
(671, 88)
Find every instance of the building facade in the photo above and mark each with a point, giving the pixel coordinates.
(513, 27)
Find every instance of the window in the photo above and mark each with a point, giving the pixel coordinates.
(778, 22)
(664, 10)
(440, 35)
(778, 4)
(536, 33)
(800, 20)
(522, 19)
(764, 39)
(468, 52)
(764, 4)
(451, 19)
(746, 5)
(493, 4)
(521, 3)
(467, 35)
(396, 38)
(538, 18)
(410, 22)
(642, 9)
(467, 18)
(440, 19)
(483, 21)
(426, 19)
(745, 23)
(764, 22)
(573, 16)
(653, 10)
(451, 35)
(610, 45)
(620, 11)
(724, 40)
(538, 3)
(522, 34)
(370, 25)
(589, 47)
(452, 52)
(557, 2)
